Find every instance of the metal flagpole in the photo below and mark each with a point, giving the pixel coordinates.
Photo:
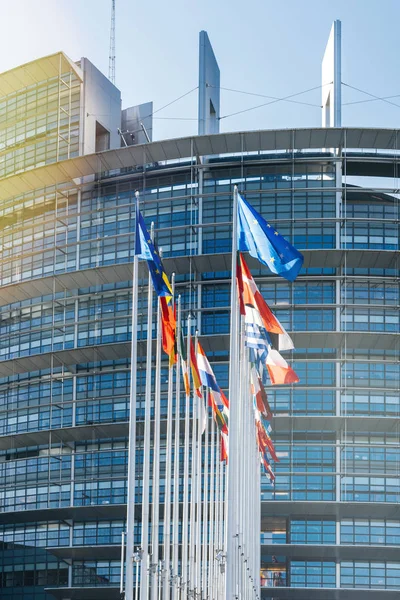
(185, 514)
(232, 492)
(217, 537)
(205, 541)
(167, 496)
(130, 517)
(193, 495)
(155, 516)
(175, 506)
(121, 585)
(241, 541)
(198, 491)
(222, 525)
(144, 583)
(211, 543)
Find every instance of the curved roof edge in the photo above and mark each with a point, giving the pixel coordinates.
(206, 145)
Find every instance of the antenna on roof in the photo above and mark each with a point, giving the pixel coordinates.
(111, 58)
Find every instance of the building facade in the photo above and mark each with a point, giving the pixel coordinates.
(330, 526)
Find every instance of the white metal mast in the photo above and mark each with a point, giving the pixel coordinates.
(111, 57)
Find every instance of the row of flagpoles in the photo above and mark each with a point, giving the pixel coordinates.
(200, 532)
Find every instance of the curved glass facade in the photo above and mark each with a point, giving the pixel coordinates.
(331, 521)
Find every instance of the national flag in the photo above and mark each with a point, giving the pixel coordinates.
(260, 396)
(264, 440)
(217, 413)
(254, 307)
(168, 329)
(184, 365)
(267, 468)
(224, 447)
(195, 370)
(263, 242)
(147, 250)
(197, 384)
(205, 371)
(279, 370)
(220, 403)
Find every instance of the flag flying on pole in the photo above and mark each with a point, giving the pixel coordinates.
(255, 309)
(260, 397)
(195, 370)
(263, 242)
(147, 250)
(224, 447)
(267, 468)
(216, 398)
(168, 329)
(279, 371)
(197, 383)
(264, 439)
(185, 370)
(208, 380)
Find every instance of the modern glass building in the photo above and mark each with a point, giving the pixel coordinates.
(330, 527)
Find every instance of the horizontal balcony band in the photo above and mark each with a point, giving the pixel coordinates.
(92, 552)
(309, 593)
(64, 435)
(280, 423)
(94, 512)
(294, 551)
(119, 350)
(335, 423)
(331, 552)
(325, 258)
(310, 508)
(85, 593)
(68, 171)
(335, 510)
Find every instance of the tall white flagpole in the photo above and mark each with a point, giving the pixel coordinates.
(144, 579)
(130, 510)
(175, 506)
(211, 541)
(222, 516)
(232, 488)
(217, 536)
(168, 470)
(155, 515)
(205, 537)
(193, 495)
(198, 552)
(185, 513)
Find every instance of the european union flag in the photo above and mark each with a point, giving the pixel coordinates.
(263, 242)
(144, 248)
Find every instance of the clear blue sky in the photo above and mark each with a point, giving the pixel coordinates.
(263, 46)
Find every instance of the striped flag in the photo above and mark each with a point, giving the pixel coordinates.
(254, 308)
(195, 370)
(267, 468)
(256, 338)
(279, 370)
(260, 396)
(168, 329)
(184, 365)
(217, 399)
(263, 439)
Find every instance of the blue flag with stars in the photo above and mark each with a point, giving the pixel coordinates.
(144, 248)
(263, 242)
